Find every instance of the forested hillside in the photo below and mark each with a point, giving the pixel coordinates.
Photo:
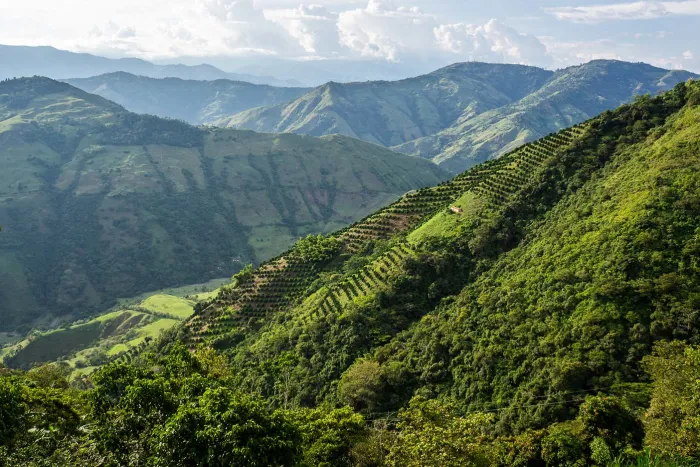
(196, 102)
(540, 309)
(466, 113)
(98, 203)
(516, 288)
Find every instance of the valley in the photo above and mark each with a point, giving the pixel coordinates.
(98, 203)
(115, 335)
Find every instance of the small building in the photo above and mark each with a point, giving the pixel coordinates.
(456, 209)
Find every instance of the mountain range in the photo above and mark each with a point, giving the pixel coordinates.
(194, 101)
(457, 116)
(465, 113)
(19, 61)
(99, 203)
(582, 242)
(392, 113)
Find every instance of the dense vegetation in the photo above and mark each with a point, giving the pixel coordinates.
(99, 203)
(196, 102)
(466, 113)
(517, 289)
(186, 409)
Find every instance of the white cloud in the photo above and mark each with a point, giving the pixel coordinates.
(110, 39)
(126, 33)
(247, 28)
(655, 35)
(492, 42)
(378, 29)
(625, 11)
(689, 7)
(313, 26)
(574, 53)
(676, 62)
(599, 13)
(383, 31)
(241, 11)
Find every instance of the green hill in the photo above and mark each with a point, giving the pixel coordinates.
(196, 102)
(392, 113)
(571, 96)
(466, 113)
(547, 273)
(98, 203)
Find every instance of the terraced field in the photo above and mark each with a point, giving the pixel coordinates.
(285, 283)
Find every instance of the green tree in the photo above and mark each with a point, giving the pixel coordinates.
(242, 276)
(328, 436)
(179, 412)
(610, 427)
(564, 445)
(315, 248)
(673, 418)
(360, 386)
(223, 428)
(432, 435)
(13, 410)
(34, 420)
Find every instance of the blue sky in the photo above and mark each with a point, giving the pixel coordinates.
(549, 33)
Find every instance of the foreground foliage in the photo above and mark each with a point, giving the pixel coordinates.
(184, 410)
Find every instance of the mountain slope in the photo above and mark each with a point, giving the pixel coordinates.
(514, 288)
(195, 102)
(478, 111)
(98, 203)
(17, 61)
(571, 96)
(391, 113)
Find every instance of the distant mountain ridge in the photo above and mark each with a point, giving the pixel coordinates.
(392, 113)
(98, 203)
(194, 101)
(19, 61)
(570, 96)
(486, 110)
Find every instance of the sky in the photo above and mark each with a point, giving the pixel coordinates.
(546, 33)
